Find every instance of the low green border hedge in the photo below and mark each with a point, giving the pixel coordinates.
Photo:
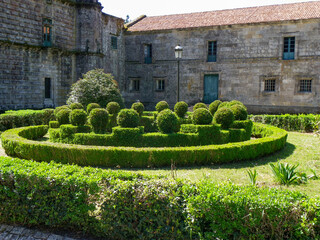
(118, 205)
(15, 145)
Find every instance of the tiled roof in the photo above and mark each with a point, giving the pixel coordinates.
(274, 13)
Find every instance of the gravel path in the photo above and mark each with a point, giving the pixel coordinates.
(2, 153)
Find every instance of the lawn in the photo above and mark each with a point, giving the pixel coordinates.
(301, 148)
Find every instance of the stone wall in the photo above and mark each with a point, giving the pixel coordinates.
(80, 42)
(246, 56)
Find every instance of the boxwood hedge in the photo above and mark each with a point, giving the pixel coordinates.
(16, 145)
(117, 205)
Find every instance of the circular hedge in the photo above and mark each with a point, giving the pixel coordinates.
(138, 107)
(58, 109)
(213, 107)
(92, 106)
(78, 117)
(63, 116)
(239, 111)
(201, 116)
(199, 105)
(98, 119)
(76, 106)
(113, 108)
(16, 145)
(225, 117)
(128, 118)
(168, 121)
(181, 109)
(161, 106)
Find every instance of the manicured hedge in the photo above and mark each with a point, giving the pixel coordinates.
(117, 205)
(290, 122)
(21, 118)
(17, 146)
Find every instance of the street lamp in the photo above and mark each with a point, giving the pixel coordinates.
(178, 53)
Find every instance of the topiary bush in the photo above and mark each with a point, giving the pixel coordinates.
(58, 109)
(95, 86)
(161, 106)
(223, 104)
(213, 107)
(225, 117)
(239, 111)
(199, 105)
(168, 121)
(139, 107)
(92, 106)
(201, 116)
(235, 102)
(128, 118)
(76, 105)
(63, 116)
(181, 109)
(113, 108)
(98, 119)
(78, 117)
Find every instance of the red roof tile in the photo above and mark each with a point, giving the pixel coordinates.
(274, 13)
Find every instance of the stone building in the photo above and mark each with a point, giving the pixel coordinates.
(267, 57)
(46, 45)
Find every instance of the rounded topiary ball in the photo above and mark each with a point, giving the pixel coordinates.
(161, 106)
(239, 111)
(58, 109)
(63, 116)
(76, 106)
(78, 117)
(92, 106)
(138, 106)
(199, 105)
(213, 107)
(235, 102)
(225, 117)
(113, 108)
(128, 118)
(168, 121)
(98, 119)
(181, 108)
(224, 105)
(201, 116)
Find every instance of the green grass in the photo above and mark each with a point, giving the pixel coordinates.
(301, 148)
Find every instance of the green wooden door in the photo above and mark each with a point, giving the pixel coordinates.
(211, 83)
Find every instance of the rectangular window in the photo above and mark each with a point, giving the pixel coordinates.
(160, 84)
(135, 85)
(47, 32)
(212, 51)
(148, 53)
(270, 85)
(305, 85)
(114, 42)
(288, 48)
(47, 87)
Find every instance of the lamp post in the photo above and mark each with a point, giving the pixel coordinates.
(178, 53)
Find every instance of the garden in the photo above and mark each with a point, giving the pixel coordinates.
(96, 167)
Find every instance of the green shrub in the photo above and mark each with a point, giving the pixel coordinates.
(181, 109)
(223, 105)
(149, 124)
(76, 105)
(95, 86)
(128, 118)
(63, 116)
(113, 108)
(58, 109)
(168, 121)
(54, 124)
(92, 106)
(161, 106)
(235, 102)
(138, 106)
(202, 116)
(213, 107)
(225, 117)
(199, 105)
(78, 117)
(239, 111)
(98, 119)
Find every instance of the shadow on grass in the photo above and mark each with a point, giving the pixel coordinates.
(279, 155)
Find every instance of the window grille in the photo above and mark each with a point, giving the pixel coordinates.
(269, 85)
(305, 85)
